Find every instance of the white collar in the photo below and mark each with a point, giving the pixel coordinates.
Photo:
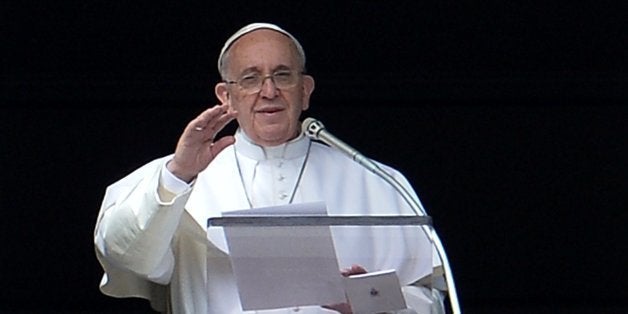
(295, 148)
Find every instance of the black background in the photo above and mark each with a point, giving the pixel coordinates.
(509, 118)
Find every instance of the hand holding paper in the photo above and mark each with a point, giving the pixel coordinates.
(345, 307)
(375, 292)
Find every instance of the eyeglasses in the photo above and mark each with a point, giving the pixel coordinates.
(252, 83)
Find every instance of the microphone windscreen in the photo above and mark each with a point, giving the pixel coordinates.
(311, 127)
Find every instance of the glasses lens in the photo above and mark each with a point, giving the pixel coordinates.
(284, 79)
(252, 83)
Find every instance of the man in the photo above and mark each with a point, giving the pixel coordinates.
(150, 236)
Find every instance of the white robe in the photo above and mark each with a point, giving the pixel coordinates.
(159, 250)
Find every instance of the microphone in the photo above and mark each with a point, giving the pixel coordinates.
(315, 129)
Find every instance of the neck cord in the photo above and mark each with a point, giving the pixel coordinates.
(296, 185)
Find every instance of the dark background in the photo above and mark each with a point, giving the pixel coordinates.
(509, 118)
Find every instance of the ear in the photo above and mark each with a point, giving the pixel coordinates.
(222, 93)
(308, 88)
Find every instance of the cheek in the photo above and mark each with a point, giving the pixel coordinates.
(241, 104)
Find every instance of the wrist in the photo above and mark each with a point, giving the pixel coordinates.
(176, 171)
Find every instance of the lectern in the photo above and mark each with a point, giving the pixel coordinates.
(295, 261)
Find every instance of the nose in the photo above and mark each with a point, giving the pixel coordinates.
(269, 89)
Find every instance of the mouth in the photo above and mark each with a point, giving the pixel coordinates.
(269, 110)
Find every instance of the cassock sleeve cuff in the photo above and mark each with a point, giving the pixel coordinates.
(170, 186)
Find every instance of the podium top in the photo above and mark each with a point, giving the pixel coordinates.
(281, 221)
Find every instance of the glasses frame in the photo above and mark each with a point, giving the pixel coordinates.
(258, 88)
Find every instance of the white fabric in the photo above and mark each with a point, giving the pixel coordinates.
(270, 175)
(255, 26)
(158, 249)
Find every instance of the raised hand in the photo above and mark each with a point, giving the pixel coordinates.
(197, 146)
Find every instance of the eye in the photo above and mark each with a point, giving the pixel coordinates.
(282, 73)
(284, 76)
(249, 80)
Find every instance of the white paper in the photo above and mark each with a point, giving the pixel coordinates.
(375, 292)
(277, 267)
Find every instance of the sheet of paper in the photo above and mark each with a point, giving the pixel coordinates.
(277, 267)
(375, 292)
(300, 209)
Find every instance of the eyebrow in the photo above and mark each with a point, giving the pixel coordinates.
(256, 69)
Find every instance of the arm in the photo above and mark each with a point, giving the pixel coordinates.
(136, 227)
(140, 214)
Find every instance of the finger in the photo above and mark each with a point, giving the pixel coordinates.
(221, 144)
(213, 120)
(209, 116)
(212, 131)
(340, 307)
(221, 121)
(353, 270)
(201, 122)
(357, 269)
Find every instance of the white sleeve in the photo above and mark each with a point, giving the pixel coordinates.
(136, 227)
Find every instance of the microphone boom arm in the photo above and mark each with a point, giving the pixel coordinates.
(315, 130)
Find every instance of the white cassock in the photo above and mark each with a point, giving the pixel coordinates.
(152, 242)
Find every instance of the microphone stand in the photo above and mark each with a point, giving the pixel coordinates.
(432, 235)
(315, 129)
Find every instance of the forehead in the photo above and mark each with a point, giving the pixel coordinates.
(262, 49)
